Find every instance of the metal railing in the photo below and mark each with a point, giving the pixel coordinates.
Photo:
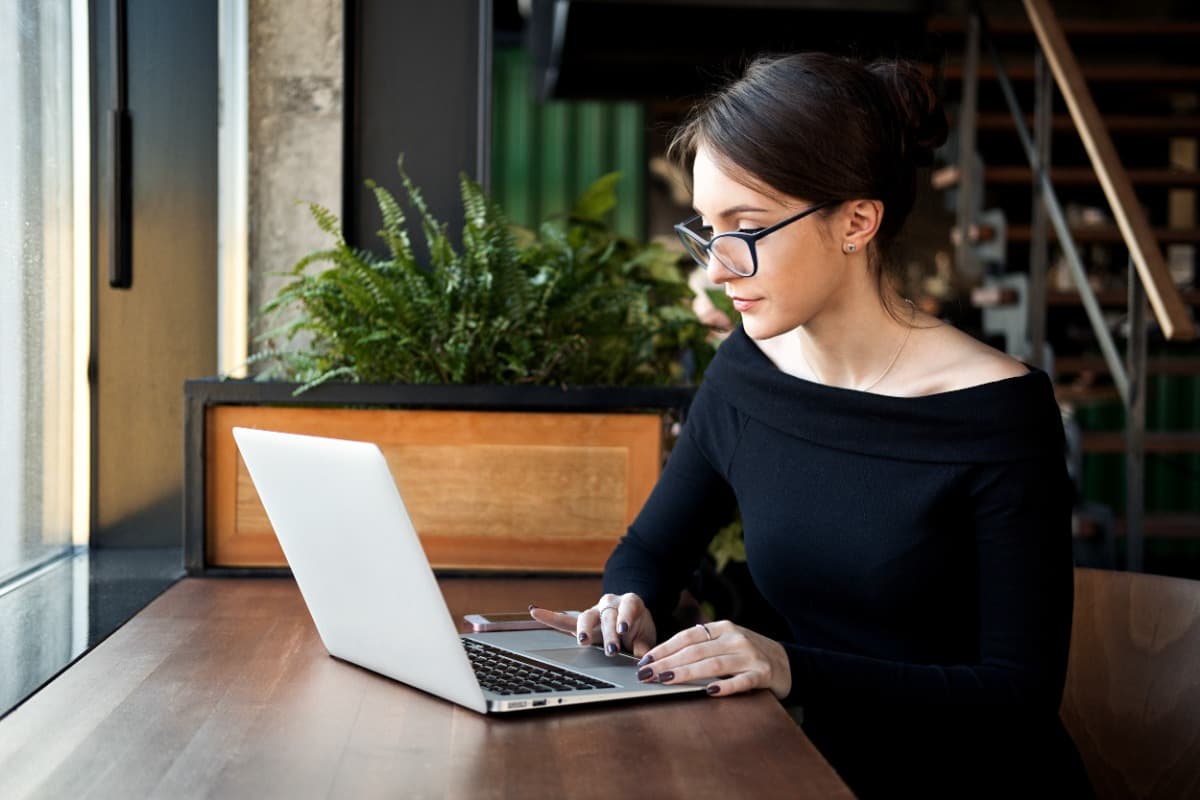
(1149, 277)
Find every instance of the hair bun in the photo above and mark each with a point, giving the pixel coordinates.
(921, 116)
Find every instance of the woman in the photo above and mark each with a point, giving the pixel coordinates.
(902, 486)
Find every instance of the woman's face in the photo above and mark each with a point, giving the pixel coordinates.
(797, 264)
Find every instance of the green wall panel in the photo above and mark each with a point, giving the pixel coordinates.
(556, 186)
(545, 154)
(1172, 480)
(630, 157)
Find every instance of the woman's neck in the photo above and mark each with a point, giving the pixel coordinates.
(852, 343)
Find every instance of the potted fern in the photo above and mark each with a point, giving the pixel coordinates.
(520, 383)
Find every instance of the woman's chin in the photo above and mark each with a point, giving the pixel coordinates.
(760, 328)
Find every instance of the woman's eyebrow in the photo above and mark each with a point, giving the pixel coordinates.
(729, 212)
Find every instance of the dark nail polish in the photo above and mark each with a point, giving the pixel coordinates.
(623, 628)
(666, 677)
(583, 637)
(713, 689)
(532, 606)
(644, 673)
(646, 659)
(610, 648)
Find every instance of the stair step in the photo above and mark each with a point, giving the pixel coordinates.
(1155, 525)
(1112, 298)
(1021, 233)
(1067, 394)
(1117, 123)
(1092, 73)
(1156, 442)
(947, 176)
(1178, 365)
(998, 297)
(1085, 176)
(1167, 525)
(1074, 27)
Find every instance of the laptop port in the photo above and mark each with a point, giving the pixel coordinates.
(537, 703)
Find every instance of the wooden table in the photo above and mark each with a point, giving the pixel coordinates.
(221, 688)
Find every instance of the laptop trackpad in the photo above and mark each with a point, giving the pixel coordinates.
(582, 657)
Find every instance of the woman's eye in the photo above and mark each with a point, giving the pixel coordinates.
(749, 230)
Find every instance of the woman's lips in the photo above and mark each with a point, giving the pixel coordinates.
(744, 304)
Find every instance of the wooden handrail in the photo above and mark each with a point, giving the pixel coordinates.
(1164, 297)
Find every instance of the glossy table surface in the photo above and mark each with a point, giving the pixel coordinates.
(67, 603)
(222, 688)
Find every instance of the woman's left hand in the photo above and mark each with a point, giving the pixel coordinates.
(737, 658)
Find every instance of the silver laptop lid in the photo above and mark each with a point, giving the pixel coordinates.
(357, 560)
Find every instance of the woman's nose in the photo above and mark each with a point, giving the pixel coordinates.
(716, 271)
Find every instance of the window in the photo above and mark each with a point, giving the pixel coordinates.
(39, 249)
(44, 330)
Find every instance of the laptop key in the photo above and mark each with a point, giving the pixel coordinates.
(502, 670)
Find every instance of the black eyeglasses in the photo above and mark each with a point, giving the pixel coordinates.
(736, 250)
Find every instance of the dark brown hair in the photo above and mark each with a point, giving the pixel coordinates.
(824, 128)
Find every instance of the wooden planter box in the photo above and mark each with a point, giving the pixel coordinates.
(526, 479)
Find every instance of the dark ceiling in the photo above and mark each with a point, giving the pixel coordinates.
(601, 49)
(656, 50)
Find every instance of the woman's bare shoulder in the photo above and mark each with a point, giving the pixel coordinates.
(953, 360)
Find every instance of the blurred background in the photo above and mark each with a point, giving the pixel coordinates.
(158, 159)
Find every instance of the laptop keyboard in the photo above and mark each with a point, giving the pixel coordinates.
(508, 673)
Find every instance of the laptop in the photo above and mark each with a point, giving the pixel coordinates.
(375, 601)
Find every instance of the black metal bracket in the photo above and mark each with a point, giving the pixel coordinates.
(120, 129)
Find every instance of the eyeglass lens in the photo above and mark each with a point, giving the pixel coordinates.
(734, 254)
(731, 252)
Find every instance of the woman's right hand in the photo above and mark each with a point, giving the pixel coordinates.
(620, 622)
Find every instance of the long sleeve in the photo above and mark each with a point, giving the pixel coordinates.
(919, 549)
(667, 540)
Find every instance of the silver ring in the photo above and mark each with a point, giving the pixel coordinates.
(608, 608)
(707, 632)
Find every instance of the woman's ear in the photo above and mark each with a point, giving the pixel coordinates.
(860, 222)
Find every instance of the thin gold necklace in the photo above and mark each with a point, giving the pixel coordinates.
(896, 357)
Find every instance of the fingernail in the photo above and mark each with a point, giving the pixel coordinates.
(610, 648)
(666, 677)
(646, 659)
(582, 638)
(532, 606)
(644, 672)
(713, 689)
(623, 627)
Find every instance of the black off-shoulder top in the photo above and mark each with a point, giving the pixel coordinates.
(919, 549)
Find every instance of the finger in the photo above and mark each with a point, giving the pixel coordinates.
(555, 619)
(586, 624)
(685, 638)
(628, 611)
(609, 610)
(743, 682)
(695, 662)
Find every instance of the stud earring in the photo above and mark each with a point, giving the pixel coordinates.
(849, 247)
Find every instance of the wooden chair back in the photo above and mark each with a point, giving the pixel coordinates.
(1132, 697)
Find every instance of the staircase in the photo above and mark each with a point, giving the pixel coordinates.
(1144, 76)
